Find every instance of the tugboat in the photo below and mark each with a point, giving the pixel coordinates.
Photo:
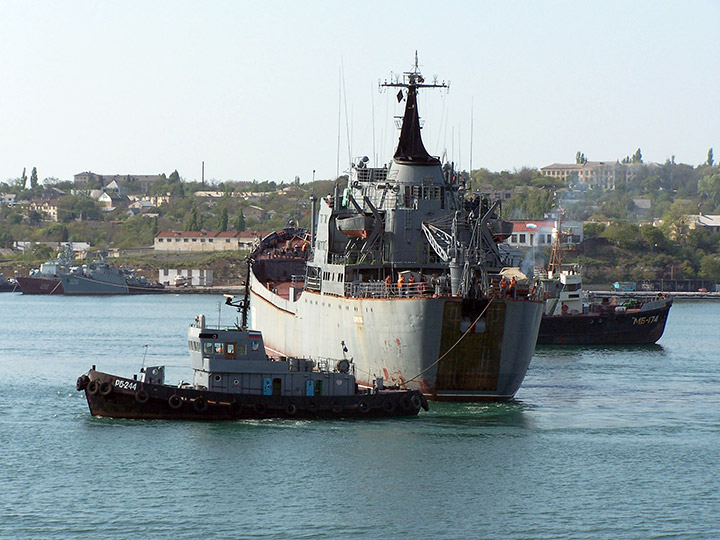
(235, 379)
(570, 319)
(399, 264)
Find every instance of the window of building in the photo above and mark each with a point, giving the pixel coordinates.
(522, 238)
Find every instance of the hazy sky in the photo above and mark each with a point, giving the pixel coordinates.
(255, 89)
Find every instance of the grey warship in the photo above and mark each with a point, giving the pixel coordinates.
(399, 266)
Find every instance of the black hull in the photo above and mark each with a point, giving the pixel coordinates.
(632, 327)
(117, 397)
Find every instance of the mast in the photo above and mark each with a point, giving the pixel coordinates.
(555, 264)
(242, 305)
(410, 146)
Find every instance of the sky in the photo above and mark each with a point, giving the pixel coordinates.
(275, 90)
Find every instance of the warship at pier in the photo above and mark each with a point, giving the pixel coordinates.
(401, 267)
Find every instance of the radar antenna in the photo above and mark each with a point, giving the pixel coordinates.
(412, 79)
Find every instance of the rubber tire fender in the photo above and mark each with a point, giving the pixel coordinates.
(175, 402)
(82, 382)
(291, 409)
(106, 388)
(416, 402)
(200, 404)
(141, 396)
(93, 387)
(363, 407)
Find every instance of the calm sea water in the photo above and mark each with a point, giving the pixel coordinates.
(600, 443)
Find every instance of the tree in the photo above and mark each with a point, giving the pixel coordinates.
(637, 157)
(240, 222)
(623, 234)
(192, 223)
(34, 178)
(223, 220)
(580, 158)
(593, 229)
(709, 267)
(709, 186)
(710, 159)
(23, 179)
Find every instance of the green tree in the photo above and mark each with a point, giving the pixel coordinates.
(637, 157)
(623, 234)
(709, 267)
(223, 220)
(240, 222)
(34, 178)
(709, 187)
(192, 223)
(710, 159)
(654, 237)
(593, 229)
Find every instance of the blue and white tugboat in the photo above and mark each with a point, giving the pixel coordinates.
(234, 378)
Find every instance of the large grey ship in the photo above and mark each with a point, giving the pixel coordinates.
(398, 269)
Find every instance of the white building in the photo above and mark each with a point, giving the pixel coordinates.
(200, 241)
(196, 278)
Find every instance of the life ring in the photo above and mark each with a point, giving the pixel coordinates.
(142, 396)
(82, 382)
(93, 387)
(336, 407)
(564, 308)
(291, 409)
(259, 407)
(200, 404)
(105, 388)
(416, 401)
(388, 406)
(174, 401)
(312, 406)
(363, 407)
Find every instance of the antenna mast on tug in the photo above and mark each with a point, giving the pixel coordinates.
(242, 305)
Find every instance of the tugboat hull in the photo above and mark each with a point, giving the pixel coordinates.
(631, 327)
(117, 397)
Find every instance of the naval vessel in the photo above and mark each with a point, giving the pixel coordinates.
(400, 267)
